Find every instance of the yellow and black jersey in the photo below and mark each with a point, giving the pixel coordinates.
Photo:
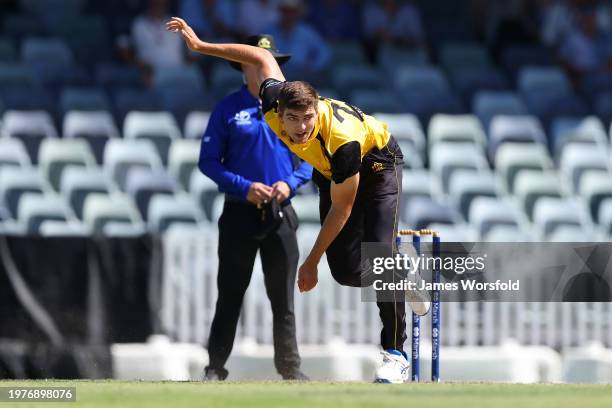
(343, 134)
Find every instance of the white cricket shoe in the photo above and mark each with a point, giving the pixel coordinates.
(395, 369)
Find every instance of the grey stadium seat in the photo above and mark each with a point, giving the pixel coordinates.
(143, 184)
(204, 191)
(183, 160)
(446, 158)
(158, 127)
(78, 183)
(165, 211)
(36, 208)
(57, 154)
(576, 159)
(532, 185)
(13, 153)
(488, 104)
(515, 129)
(486, 213)
(96, 127)
(511, 158)
(14, 182)
(102, 210)
(195, 124)
(307, 208)
(120, 155)
(550, 213)
(465, 186)
(456, 128)
(595, 187)
(31, 127)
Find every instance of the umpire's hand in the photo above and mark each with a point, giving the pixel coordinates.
(308, 276)
(259, 193)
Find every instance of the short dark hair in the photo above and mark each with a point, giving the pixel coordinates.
(297, 95)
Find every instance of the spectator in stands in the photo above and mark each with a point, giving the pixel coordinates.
(211, 18)
(391, 22)
(556, 18)
(256, 16)
(504, 23)
(258, 175)
(586, 46)
(335, 19)
(151, 46)
(310, 53)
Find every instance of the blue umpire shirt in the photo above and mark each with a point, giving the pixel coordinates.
(239, 148)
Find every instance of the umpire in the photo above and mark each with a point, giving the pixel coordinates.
(258, 175)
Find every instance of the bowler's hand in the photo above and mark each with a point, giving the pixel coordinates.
(259, 193)
(281, 191)
(308, 276)
(178, 25)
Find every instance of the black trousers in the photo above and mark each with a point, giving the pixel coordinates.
(238, 226)
(374, 218)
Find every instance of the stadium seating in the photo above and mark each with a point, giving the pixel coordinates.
(49, 51)
(180, 101)
(406, 127)
(13, 153)
(577, 159)
(511, 158)
(370, 101)
(204, 191)
(104, 213)
(551, 213)
(488, 213)
(307, 208)
(595, 187)
(158, 127)
(566, 130)
(8, 52)
(466, 55)
(113, 76)
(604, 216)
(131, 99)
(183, 160)
(55, 155)
(83, 99)
(166, 211)
(421, 212)
(34, 209)
(195, 124)
(95, 127)
(188, 77)
(78, 183)
(469, 81)
(447, 158)
(517, 129)
(31, 127)
(532, 185)
(15, 182)
(122, 154)
(488, 104)
(465, 186)
(143, 184)
(505, 128)
(456, 128)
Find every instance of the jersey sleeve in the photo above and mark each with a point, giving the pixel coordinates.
(268, 92)
(346, 162)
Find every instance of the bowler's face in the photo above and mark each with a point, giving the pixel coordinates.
(299, 124)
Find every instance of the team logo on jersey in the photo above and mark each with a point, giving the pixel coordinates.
(243, 118)
(264, 43)
(376, 167)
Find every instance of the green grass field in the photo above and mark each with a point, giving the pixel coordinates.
(318, 394)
